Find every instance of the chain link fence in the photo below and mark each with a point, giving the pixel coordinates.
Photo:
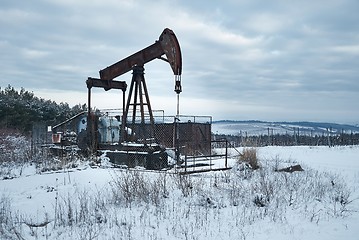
(153, 143)
(145, 141)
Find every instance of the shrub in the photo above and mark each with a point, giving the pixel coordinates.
(133, 186)
(185, 184)
(249, 155)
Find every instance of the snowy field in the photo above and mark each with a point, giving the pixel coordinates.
(321, 202)
(261, 128)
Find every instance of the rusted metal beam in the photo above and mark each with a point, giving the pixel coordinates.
(137, 59)
(106, 84)
(167, 44)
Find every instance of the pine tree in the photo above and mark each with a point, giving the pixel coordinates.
(21, 109)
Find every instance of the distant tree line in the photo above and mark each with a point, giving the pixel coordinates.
(21, 109)
(324, 139)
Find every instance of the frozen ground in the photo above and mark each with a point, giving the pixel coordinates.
(105, 203)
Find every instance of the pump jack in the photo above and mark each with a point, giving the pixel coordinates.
(166, 48)
(166, 45)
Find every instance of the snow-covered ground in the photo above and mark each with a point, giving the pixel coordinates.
(251, 128)
(106, 203)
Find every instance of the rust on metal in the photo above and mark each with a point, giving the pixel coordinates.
(166, 45)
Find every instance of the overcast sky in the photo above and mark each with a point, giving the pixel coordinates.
(242, 59)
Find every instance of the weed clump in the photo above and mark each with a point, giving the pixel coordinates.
(249, 156)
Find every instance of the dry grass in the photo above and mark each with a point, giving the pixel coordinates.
(249, 155)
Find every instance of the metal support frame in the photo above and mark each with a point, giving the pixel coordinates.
(138, 97)
(91, 125)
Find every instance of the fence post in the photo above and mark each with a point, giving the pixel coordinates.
(226, 153)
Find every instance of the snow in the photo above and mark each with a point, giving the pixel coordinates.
(251, 128)
(177, 211)
(343, 160)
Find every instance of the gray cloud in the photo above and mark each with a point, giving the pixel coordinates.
(272, 60)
